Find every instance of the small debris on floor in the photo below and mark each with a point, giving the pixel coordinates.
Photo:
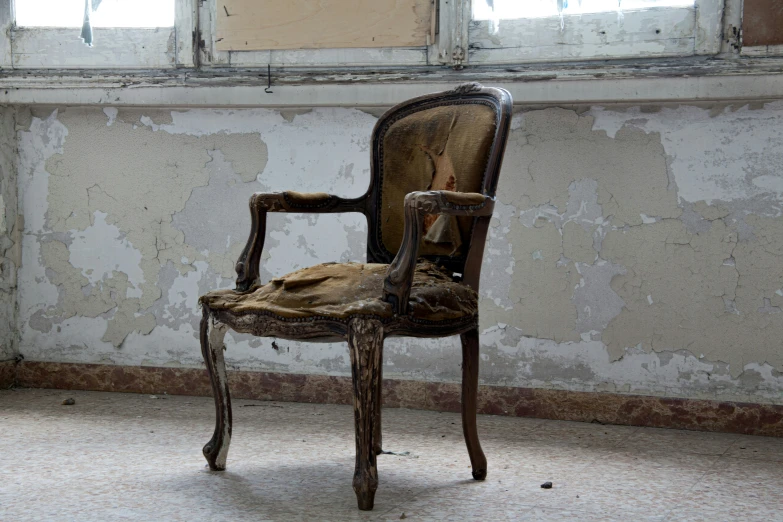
(69, 402)
(403, 516)
(156, 397)
(546, 485)
(398, 453)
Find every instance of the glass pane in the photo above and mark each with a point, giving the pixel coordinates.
(512, 9)
(106, 13)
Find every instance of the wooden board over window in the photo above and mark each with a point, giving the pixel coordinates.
(256, 25)
(762, 22)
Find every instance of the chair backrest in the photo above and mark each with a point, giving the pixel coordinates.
(451, 140)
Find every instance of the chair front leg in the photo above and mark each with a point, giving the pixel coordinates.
(470, 369)
(377, 440)
(212, 346)
(365, 342)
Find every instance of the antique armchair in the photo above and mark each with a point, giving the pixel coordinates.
(435, 166)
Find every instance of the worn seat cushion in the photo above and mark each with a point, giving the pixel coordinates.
(342, 290)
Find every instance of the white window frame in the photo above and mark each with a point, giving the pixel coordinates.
(654, 32)
(456, 40)
(191, 43)
(114, 48)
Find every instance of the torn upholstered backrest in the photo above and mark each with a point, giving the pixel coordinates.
(450, 141)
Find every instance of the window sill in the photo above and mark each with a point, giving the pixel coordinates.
(663, 80)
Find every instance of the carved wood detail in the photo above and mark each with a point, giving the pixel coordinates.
(365, 342)
(247, 267)
(399, 278)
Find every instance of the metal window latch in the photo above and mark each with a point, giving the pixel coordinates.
(268, 89)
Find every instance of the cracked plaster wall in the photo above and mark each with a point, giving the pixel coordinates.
(10, 236)
(636, 250)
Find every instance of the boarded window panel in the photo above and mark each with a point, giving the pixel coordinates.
(762, 22)
(253, 25)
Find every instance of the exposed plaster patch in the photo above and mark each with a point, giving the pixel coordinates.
(101, 249)
(10, 236)
(153, 199)
(540, 291)
(630, 170)
(221, 235)
(515, 359)
(702, 304)
(517, 121)
(714, 157)
(44, 139)
(562, 200)
(111, 113)
(289, 114)
(768, 308)
(595, 301)
(498, 266)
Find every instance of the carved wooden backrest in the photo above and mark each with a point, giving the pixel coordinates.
(452, 140)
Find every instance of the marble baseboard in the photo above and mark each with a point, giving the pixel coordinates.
(607, 408)
(7, 374)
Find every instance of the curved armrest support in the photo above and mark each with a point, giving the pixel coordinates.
(399, 278)
(247, 267)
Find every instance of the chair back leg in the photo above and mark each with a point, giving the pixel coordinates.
(365, 342)
(470, 370)
(212, 346)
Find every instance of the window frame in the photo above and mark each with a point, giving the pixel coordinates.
(452, 43)
(526, 42)
(191, 45)
(115, 47)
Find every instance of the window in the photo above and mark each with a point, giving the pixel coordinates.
(125, 33)
(105, 13)
(511, 31)
(217, 18)
(161, 34)
(506, 32)
(762, 22)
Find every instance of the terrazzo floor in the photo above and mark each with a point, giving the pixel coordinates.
(114, 456)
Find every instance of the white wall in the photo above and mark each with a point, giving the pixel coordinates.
(634, 249)
(10, 236)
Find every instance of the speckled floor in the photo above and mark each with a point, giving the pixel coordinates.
(138, 457)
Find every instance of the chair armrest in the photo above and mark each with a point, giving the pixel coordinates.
(399, 278)
(247, 267)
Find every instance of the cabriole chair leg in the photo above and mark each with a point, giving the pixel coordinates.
(212, 334)
(365, 340)
(470, 368)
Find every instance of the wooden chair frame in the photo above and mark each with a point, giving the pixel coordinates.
(365, 334)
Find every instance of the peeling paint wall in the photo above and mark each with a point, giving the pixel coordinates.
(635, 250)
(10, 236)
